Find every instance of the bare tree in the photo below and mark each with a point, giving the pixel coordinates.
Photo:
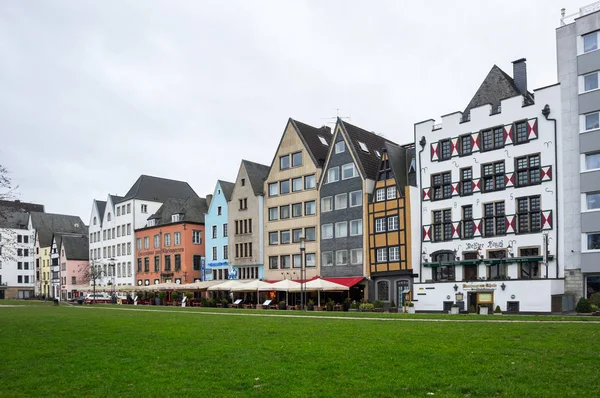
(7, 193)
(92, 273)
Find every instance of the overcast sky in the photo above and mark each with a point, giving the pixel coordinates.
(94, 94)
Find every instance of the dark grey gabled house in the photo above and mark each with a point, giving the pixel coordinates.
(348, 178)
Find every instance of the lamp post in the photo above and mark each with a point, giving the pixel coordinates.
(112, 265)
(302, 274)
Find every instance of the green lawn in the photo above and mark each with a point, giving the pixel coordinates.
(97, 351)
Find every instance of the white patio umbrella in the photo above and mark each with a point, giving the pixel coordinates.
(166, 286)
(201, 285)
(226, 286)
(252, 286)
(321, 285)
(282, 286)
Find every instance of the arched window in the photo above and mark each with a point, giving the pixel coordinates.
(443, 272)
(108, 217)
(94, 220)
(383, 290)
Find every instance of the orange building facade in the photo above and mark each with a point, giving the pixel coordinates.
(169, 253)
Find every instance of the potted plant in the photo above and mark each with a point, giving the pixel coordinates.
(454, 309)
(150, 296)
(411, 307)
(203, 302)
(366, 307)
(497, 311)
(393, 309)
(330, 305)
(472, 309)
(175, 296)
(282, 305)
(378, 304)
(224, 303)
(211, 302)
(163, 298)
(353, 306)
(347, 303)
(311, 305)
(483, 309)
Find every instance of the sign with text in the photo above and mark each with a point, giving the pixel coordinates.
(479, 286)
(160, 251)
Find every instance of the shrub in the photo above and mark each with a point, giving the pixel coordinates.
(347, 303)
(282, 305)
(163, 296)
(150, 295)
(224, 303)
(203, 302)
(472, 309)
(454, 305)
(393, 304)
(498, 310)
(354, 305)
(175, 296)
(583, 306)
(366, 307)
(595, 299)
(411, 304)
(189, 296)
(594, 307)
(378, 304)
(140, 295)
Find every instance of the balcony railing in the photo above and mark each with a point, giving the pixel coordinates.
(585, 10)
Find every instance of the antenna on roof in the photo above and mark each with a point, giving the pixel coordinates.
(333, 120)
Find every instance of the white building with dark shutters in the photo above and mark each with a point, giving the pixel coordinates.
(489, 201)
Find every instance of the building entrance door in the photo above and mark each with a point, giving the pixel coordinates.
(472, 301)
(401, 290)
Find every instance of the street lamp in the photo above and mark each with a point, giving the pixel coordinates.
(302, 274)
(112, 265)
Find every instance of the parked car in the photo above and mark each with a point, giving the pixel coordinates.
(100, 298)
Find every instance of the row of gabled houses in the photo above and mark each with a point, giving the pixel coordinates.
(497, 204)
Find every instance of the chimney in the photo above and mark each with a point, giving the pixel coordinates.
(326, 129)
(208, 199)
(520, 75)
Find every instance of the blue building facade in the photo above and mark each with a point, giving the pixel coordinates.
(217, 232)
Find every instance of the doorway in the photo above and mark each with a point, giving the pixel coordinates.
(472, 300)
(402, 288)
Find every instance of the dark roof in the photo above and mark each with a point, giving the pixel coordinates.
(400, 159)
(47, 224)
(192, 209)
(116, 198)
(496, 87)
(101, 208)
(368, 162)
(20, 206)
(257, 174)
(310, 136)
(157, 189)
(14, 219)
(227, 188)
(76, 247)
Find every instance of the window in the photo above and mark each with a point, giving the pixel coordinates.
(296, 159)
(310, 182)
(349, 171)
(466, 145)
(175, 218)
(118, 231)
(592, 121)
(285, 237)
(493, 139)
(340, 147)
(442, 225)
(356, 256)
(327, 259)
(380, 195)
(196, 237)
(593, 241)
(296, 235)
(394, 253)
(311, 259)
(310, 234)
(529, 215)
(225, 255)
(441, 185)
(144, 210)
(590, 42)
(467, 222)
(341, 201)
(128, 229)
(355, 227)
(383, 290)
(243, 181)
(273, 263)
(19, 279)
(327, 231)
(284, 187)
(323, 140)
(363, 146)
(273, 189)
(341, 257)
(284, 162)
(528, 170)
(243, 204)
(333, 174)
(355, 198)
(341, 229)
(310, 208)
(156, 241)
(590, 82)
(285, 262)
(326, 204)
(284, 212)
(273, 238)
(521, 135)
(493, 176)
(391, 193)
(297, 261)
(296, 210)
(445, 151)
(214, 232)
(497, 270)
(392, 223)
(592, 161)
(494, 219)
(156, 264)
(168, 261)
(146, 242)
(177, 237)
(168, 239)
(529, 269)
(593, 200)
(466, 181)
(214, 253)
(225, 230)
(128, 208)
(146, 264)
(118, 211)
(296, 184)
(219, 210)
(382, 255)
(380, 225)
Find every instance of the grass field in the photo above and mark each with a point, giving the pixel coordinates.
(99, 351)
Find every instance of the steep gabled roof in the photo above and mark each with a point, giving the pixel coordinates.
(76, 247)
(368, 162)
(14, 219)
(46, 224)
(157, 189)
(192, 209)
(310, 135)
(496, 86)
(227, 188)
(101, 204)
(17, 205)
(400, 159)
(257, 174)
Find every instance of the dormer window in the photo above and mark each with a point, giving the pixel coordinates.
(323, 140)
(176, 217)
(340, 147)
(363, 146)
(378, 154)
(151, 222)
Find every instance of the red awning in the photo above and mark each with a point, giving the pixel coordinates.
(346, 281)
